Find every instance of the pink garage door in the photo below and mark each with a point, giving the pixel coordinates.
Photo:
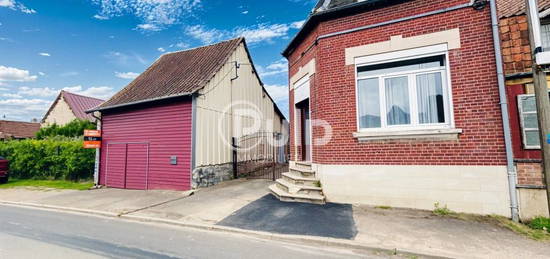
(147, 147)
(127, 165)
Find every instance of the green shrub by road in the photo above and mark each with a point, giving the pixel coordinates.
(73, 129)
(48, 184)
(57, 158)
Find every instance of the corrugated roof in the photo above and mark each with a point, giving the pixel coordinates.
(176, 73)
(79, 104)
(18, 129)
(509, 8)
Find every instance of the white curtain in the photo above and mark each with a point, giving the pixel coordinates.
(430, 97)
(397, 101)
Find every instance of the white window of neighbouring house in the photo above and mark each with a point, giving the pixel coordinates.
(527, 107)
(404, 94)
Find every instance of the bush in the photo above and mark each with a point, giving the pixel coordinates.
(51, 159)
(541, 223)
(73, 129)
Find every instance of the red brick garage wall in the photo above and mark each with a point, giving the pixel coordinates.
(473, 78)
(167, 129)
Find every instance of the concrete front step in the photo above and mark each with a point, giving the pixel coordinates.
(306, 172)
(298, 179)
(297, 197)
(303, 164)
(300, 189)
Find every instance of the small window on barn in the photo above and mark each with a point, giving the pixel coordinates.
(545, 34)
(405, 94)
(527, 107)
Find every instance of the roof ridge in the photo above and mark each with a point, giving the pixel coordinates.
(67, 92)
(200, 47)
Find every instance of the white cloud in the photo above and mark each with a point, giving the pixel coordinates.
(253, 34)
(38, 91)
(124, 59)
(157, 13)
(100, 17)
(42, 73)
(101, 92)
(127, 75)
(15, 74)
(161, 49)
(275, 68)
(14, 5)
(297, 25)
(148, 27)
(245, 12)
(279, 93)
(44, 54)
(8, 95)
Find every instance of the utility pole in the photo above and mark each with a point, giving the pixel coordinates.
(541, 90)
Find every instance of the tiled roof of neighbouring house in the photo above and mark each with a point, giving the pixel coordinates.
(324, 5)
(18, 129)
(78, 104)
(174, 74)
(509, 8)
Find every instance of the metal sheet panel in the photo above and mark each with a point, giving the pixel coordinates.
(167, 129)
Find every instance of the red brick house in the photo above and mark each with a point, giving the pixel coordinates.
(396, 103)
(523, 115)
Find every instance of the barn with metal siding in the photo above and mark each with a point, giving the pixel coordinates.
(160, 128)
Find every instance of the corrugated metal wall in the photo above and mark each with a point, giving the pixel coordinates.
(213, 130)
(156, 132)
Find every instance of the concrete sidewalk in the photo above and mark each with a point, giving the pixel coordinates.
(229, 206)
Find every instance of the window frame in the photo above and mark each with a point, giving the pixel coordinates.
(413, 100)
(522, 122)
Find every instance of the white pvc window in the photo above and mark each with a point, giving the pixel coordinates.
(404, 94)
(545, 35)
(527, 107)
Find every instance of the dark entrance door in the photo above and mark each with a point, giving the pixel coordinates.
(305, 130)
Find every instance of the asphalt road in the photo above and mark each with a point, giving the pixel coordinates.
(33, 233)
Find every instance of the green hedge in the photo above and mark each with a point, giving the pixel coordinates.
(50, 159)
(72, 129)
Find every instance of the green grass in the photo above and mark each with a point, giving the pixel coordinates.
(441, 211)
(54, 184)
(540, 223)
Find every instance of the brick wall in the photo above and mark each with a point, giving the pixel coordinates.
(530, 174)
(474, 88)
(514, 34)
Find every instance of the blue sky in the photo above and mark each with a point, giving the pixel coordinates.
(96, 47)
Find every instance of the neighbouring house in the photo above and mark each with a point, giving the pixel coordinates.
(396, 103)
(516, 53)
(172, 127)
(18, 130)
(68, 107)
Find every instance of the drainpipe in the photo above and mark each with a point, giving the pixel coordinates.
(97, 153)
(512, 176)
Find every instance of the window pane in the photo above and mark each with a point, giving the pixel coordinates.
(369, 103)
(530, 121)
(397, 101)
(528, 104)
(545, 33)
(401, 66)
(532, 138)
(430, 98)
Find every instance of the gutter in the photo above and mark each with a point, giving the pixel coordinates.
(473, 3)
(98, 109)
(512, 175)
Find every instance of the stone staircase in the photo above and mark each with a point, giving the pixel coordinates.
(299, 185)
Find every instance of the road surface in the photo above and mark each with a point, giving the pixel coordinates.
(33, 233)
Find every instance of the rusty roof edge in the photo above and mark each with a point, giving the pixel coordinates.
(98, 109)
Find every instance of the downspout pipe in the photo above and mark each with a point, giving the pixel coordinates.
(97, 153)
(512, 175)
